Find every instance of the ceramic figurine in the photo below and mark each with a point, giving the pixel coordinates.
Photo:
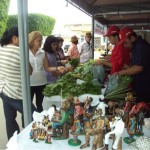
(78, 110)
(77, 129)
(102, 106)
(130, 100)
(35, 136)
(31, 134)
(111, 108)
(48, 139)
(117, 129)
(34, 126)
(61, 125)
(70, 99)
(139, 110)
(131, 128)
(39, 125)
(49, 126)
(97, 131)
(140, 121)
(87, 113)
(42, 134)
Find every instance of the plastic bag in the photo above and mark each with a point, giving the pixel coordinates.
(99, 73)
(113, 81)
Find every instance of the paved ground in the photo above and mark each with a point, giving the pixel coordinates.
(3, 136)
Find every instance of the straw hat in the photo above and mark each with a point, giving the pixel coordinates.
(88, 34)
(74, 38)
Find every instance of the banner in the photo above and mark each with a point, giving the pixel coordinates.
(98, 28)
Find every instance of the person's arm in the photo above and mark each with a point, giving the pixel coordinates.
(80, 49)
(30, 69)
(64, 61)
(69, 51)
(61, 69)
(131, 70)
(103, 62)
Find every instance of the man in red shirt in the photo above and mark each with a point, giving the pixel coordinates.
(120, 56)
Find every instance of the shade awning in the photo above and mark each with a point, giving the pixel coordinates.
(134, 13)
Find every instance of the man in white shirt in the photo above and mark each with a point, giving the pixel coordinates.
(85, 49)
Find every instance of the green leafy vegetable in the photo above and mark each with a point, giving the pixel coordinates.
(74, 62)
(120, 92)
(67, 84)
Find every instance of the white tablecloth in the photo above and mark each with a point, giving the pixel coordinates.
(25, 143)
(57, 100)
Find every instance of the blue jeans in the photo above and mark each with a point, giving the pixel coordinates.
(11, 106)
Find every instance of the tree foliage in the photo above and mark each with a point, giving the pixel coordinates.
(37, 22)
(4, 5)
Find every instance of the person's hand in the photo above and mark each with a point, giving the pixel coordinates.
(107, 58)
(64, 61)
(119, 73)
(70, 68)
(99, 62)
(125, 66)
(61, 69)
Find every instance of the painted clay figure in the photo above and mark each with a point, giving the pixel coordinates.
(62, 121)
(31, 134)
(77, 129)
(48, 138)
(35, 136)
(102, 106)
(130, 100)
(97, 131)
(131, 129)
(117, 129)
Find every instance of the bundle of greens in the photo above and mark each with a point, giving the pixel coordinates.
(85, 71)
(67, 84)
(74, 62)
(120, 92)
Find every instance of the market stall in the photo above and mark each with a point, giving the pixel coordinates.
(22, 141)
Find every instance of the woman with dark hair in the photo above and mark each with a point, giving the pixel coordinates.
(10, 79)
(59, 49)
(49, 47)
(61, 59)
(10, 36)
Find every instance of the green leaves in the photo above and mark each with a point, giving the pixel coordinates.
(37, 22)
(68, 83)
(120, 92)
(74, 62)
(4, 5)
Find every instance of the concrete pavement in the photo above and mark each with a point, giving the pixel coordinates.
(3, 136)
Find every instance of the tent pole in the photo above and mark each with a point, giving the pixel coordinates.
(24, 59)
(93, 36)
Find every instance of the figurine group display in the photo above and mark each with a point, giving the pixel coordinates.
(101, 122)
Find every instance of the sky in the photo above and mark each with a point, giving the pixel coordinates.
(58, 9)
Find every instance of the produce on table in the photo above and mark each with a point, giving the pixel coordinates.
(74, 62)
(67, 84)
(120, 92)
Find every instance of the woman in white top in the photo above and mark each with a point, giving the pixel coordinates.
(38, 62)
